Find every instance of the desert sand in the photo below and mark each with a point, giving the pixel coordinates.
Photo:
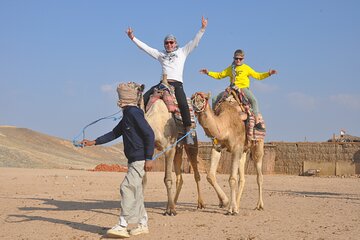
(78, 204)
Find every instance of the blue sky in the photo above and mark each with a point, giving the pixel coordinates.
(60, 61)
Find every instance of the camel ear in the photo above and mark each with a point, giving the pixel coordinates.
(142, 87)
(208, 95)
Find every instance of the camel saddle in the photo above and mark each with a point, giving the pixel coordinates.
(166, 93)
(233, 93)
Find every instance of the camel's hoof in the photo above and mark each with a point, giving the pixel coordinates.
(221, 205)
(201, 206)
(231, 213)
(259, 208)
(169, 213)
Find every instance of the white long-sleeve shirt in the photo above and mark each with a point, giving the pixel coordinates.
(172, 63)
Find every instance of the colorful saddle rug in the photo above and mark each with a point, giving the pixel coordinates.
(167, 94)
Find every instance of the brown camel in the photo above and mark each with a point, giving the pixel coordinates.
(166, 134)
(226, 125)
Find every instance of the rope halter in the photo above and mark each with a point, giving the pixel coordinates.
(199, 100)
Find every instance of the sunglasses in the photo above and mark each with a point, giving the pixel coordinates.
(169, 42)
(238, 59)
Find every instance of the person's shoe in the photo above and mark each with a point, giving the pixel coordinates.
(190, 139)
(118, 232)
(140, 229)
(259, 127)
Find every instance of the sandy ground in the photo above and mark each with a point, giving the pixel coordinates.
(73, 204)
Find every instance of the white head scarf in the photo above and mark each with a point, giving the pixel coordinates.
(130, 94)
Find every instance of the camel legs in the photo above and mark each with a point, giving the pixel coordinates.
(192, 153)
(241, 179)
(177, 169)
(169, 156)
(257, 154)
(233, 181)
(211, 177)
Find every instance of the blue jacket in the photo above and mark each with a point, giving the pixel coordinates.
(138, 137)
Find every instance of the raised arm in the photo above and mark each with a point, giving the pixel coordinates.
(143, 46)
(195, 42)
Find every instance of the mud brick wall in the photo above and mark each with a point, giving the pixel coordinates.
(225, 160)
(204, 150)
(279, 157)
(290, 156)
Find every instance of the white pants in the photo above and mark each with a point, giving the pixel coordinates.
(132, 196)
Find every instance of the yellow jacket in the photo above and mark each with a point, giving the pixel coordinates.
(242, 74)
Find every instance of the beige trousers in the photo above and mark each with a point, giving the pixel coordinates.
(132, 197)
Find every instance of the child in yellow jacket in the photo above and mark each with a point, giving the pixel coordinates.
(239, 74)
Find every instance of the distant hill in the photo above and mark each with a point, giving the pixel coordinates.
(21, 147)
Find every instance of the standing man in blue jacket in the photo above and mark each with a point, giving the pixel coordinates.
(139, 142)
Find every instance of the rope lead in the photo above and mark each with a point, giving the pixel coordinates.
(77, 143)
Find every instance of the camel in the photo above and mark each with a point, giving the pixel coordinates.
(226, 125)
(166, 134)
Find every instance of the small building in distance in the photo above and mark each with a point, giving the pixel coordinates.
(343, 137)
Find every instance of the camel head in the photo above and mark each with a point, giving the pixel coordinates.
(200, 101)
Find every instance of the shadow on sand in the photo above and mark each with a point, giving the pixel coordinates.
(89, 205)
(318, 194)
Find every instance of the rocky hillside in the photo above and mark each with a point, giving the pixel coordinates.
(21, 147)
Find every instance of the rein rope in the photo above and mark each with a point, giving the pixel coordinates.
(172, 145)
(77, 143)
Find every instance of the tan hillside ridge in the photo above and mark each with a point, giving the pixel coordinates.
(25, 148)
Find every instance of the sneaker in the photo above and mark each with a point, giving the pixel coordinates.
(140, 229)
(259, 127)
(118, 232)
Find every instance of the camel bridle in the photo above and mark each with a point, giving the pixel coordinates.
(199, 102)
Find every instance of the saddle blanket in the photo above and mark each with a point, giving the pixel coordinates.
(167, 94)
(251, 132)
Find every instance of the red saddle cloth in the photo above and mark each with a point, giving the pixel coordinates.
(167, 94)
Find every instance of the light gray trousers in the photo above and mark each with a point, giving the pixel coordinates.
(132, 196)
(253, 101)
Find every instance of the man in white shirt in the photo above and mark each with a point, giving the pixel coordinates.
(172, 61)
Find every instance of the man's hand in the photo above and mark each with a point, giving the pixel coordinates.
(148, 165)
(204, 71)
(272, 72)
(130, 33)
(87, 143)
(204, 22)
